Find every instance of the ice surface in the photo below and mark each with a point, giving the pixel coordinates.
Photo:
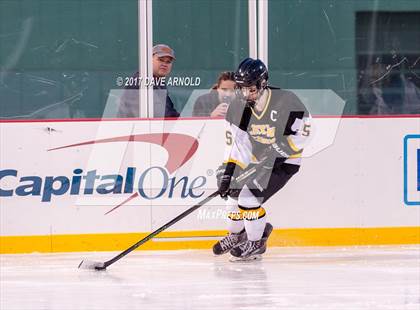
(352, 278)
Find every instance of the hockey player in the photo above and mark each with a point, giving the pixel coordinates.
(267, 127)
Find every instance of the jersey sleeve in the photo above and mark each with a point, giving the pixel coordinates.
(297, 132)
(238, 144)
(301, 131)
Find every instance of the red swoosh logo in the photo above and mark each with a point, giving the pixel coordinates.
(180, 147)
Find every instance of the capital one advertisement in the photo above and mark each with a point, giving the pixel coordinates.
(63, 173)
(93, 177)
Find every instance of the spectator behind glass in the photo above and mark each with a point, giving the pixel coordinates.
(163, 58)
(216, 102)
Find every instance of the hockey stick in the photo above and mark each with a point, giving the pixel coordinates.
(85, 264)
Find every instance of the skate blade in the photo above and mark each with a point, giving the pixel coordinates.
(252, 258)
(90, 265)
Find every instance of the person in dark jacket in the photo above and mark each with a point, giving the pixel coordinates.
(163, 58)
(216, 102)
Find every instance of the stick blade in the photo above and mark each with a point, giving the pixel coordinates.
(91, 265)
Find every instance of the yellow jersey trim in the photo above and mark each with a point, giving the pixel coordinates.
(292, 145)
(298, 155)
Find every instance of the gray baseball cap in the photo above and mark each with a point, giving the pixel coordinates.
(162, 50)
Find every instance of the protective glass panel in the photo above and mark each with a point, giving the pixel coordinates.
(367, 52)
(60, 59)
(208, 37)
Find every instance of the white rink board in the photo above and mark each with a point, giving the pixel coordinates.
(356, 182)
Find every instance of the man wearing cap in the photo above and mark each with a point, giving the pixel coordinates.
(163, 57)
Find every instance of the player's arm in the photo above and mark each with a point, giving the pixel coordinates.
(238, 155)
(289, 148)
(296, 137)
(299, 134)
(293, 136)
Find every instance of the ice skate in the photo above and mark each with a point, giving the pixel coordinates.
(229, 242)
(252, 250)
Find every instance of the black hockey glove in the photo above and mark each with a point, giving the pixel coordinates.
(224, 178)
(224, 187)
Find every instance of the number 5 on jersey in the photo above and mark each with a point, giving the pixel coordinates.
(229, 139)
(306, 130)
